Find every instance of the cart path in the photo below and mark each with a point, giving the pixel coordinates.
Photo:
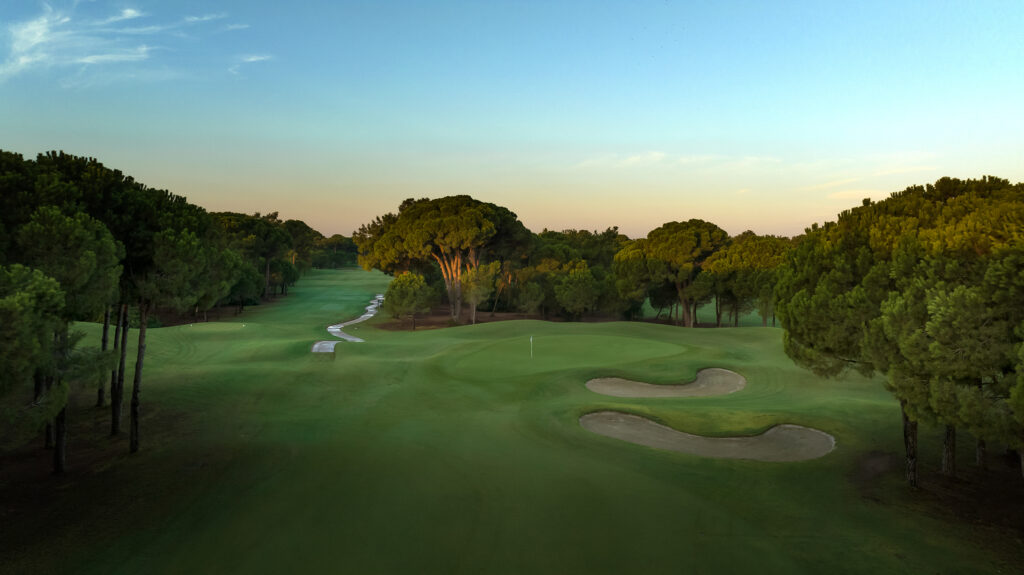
(327, 346)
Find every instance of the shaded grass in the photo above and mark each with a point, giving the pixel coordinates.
(706, 316)
(452, 451)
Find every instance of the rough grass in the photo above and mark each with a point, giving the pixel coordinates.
(453, 451)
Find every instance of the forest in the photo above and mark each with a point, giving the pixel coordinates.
(83, 242)
(478, 255)
(924, 288)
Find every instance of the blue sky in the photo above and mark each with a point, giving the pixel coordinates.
(572, 114)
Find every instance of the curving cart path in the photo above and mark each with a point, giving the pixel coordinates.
(327, 346)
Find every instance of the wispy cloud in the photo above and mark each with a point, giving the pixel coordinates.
(829, 185)
(742, 162)
(876, 174)
(249, 59)
(205, 18)
(699, 159)
(905, 170)
(126, 14)
(133, 55)
(87, 78)
(666, 160)
(144, 30)
(639, 160)
(231, 27)
(644, 159)
(595, 162)
(30, 42)
(61, 40)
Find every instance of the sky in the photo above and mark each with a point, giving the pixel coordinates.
(757, 115)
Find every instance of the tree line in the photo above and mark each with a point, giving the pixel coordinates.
(80, 241)
(925, 287)
(479, 255)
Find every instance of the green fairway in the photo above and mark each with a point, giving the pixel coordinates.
(452, 450)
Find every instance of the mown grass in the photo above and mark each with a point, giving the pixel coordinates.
(453, 451)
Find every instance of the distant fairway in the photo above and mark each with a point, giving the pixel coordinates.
(452, 451)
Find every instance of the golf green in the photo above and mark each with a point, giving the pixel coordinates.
(455, 451)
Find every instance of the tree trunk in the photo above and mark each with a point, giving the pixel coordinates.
(39, 383)
(452, 311)
(684, 306)
(980, 455)
(736, 316)
(458, 300)
(266, 287)
(472, 313)
(449, 287)
(718, 312)
(773, 319)
(910, 445)
(60, 425)
(117, 392)
(117, 347)
(497, 297)
(133, 442)
(694, 315)
(48, 440)
(100, 399)
(949, 452)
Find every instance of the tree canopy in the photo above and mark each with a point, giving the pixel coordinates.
(923, 288)
(675, 253)
(77, 237)
(454, 232)
(408, 295)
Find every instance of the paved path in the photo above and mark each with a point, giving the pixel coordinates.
(336, 329)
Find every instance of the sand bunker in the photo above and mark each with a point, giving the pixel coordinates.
(780, 443)
(336, 329)
(711, 381)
